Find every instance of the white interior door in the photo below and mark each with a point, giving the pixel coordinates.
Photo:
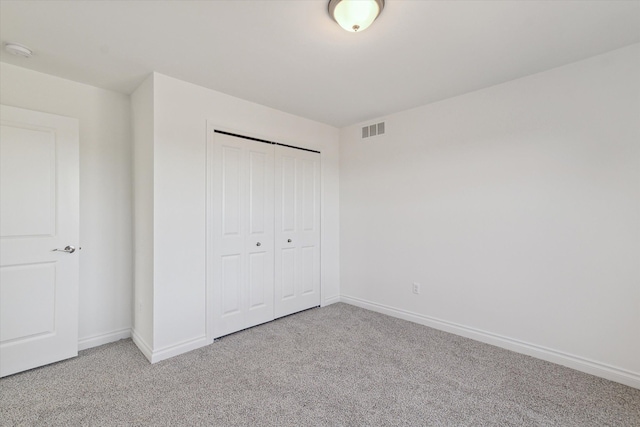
(39, 199)
(240, 226)
(297, 236)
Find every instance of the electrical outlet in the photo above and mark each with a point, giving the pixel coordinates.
(416, 288)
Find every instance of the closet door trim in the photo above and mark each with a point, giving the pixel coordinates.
(237, 135)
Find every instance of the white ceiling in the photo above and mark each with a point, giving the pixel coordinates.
(291, 56)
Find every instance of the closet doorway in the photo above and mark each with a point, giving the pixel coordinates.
(263, 231)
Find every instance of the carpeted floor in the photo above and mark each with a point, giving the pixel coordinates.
(339, 365)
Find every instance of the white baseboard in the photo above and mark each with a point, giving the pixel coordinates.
(100, 339)
(331, 300)
(155, 356)
(142, 345)
(176, 349)
(578, 363)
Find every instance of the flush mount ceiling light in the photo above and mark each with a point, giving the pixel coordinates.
(18, 49)
(355, 15)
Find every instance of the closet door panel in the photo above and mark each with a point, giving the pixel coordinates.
(297, 239)
(240, 233)
(257, 271)
(231, 191)
(288, 193)
(259, 238)
(231, 279)
(309, 199)
(308, 270)
(264, 203)
(227, 259)
(259, 194)
(287, 273)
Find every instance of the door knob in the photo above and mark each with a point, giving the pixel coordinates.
(258, 244)
(288, 240)
(67, 249)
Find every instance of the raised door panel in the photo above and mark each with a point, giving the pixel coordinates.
(27, 307)
(258, 272)
(231, 164)
(287, 288)
(28, 159)
(231, 281)
(288, 194)
(308, 270)
(260, 220)
(309, 203)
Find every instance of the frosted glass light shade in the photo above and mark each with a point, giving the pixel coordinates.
(355, 15)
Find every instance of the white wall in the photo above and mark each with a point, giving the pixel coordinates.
(181, 112)
(142, 111)
(516, 207)
(105, 192)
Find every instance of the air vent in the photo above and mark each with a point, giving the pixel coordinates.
(373, 130)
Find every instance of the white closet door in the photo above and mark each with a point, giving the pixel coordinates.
(297, 236)
(241, 240)
(39, 208)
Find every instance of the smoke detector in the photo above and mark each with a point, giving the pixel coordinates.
(18, 49)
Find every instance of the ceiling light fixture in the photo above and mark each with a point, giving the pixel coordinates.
(355, 15)
(18, 49)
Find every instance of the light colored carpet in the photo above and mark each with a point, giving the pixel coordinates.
(339, 365)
